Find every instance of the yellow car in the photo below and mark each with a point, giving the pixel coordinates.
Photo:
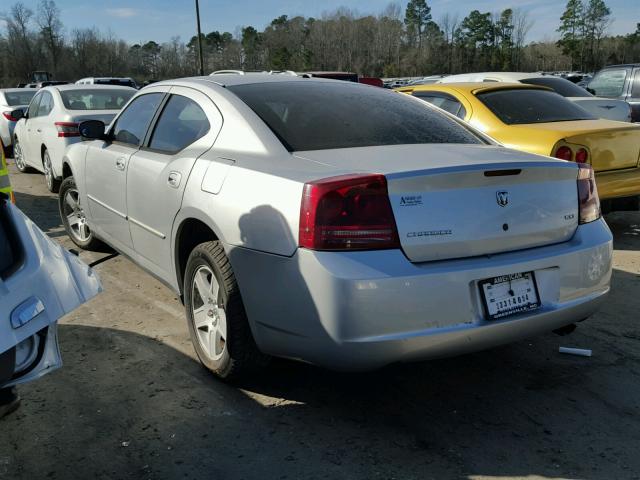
(537, 120)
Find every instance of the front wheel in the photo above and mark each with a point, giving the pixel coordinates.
(217, 320)
(53, 184)
(18, 157)
(73, 217)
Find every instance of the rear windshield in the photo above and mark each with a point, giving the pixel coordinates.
(559, 85)
(519, 106)
(317, 115)
(123, 82)
(95, 99)
(19, 98)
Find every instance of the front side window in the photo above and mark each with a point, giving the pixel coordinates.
(523, 106)
(132, 125)
(317, 115)
(609, 83)
(181, 123)
(15, 99)
(33, 106)
(94, 99)
(46, 104)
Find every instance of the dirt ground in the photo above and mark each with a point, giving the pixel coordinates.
(132, 402)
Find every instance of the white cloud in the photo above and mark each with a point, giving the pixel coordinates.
(122, 12)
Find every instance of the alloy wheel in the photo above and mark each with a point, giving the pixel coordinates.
(17, 156)
(48, 171)
(75, 216)
(209, 317)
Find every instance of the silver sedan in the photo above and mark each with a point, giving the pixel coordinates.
(335, 223)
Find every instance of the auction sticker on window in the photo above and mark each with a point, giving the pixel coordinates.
(509, 294)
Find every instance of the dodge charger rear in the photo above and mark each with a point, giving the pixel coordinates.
(344, 225)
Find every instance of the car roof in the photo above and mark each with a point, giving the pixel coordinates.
(474, 87)
(504, 76)
(230, 80)
(73, 86)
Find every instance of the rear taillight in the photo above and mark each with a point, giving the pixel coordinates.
(582, 156)
(588, 200)
(67, 129)
(563, 153)
(350, 212)
(8, 116)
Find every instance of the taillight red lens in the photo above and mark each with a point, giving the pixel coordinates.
(350, 212)
(588, 200)
(67, 129)
(8, 116)
(564, 153)
(582, 156)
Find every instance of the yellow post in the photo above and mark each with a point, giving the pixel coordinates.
(5, 184)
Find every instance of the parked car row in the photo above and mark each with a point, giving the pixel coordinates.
(332, 222)
(50, 124)
(535, 119)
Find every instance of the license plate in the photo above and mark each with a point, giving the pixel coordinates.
(510, 294)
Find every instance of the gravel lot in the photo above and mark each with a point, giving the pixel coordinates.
(133, 403)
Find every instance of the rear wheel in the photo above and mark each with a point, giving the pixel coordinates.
(217, 320)
(18, 157)
(53, 184)
(73, 217)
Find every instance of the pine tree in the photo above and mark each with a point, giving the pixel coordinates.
(417, 16)
(571, 31)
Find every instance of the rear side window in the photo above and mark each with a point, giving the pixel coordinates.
(132, 125)
(316, 115)
(559, 85)
(520, 106)
(444, 101)
(609, 83)
(88, 99)
(181, 123)
(18, 98)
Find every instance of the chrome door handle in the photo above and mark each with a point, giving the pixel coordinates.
(120, 163)
(174, 179)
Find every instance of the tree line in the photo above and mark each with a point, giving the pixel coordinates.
(396, 42)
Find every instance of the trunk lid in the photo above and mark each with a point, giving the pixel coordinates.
(612, 145)
(454, 201)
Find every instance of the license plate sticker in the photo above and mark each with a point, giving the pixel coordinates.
(510, 294)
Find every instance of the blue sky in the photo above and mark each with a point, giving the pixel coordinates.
(160, 20)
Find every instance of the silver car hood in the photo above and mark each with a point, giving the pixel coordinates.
(48, 283)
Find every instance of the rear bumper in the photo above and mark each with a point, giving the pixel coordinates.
(617, 184)
(361, 310)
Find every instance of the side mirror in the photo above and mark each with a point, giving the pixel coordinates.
(92, 129)
(17, 114)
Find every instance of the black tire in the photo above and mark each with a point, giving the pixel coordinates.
(240, 356)
(52, 183)
(20, 162)
(90, 243)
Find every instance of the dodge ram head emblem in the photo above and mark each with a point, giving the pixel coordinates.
(502, 198)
